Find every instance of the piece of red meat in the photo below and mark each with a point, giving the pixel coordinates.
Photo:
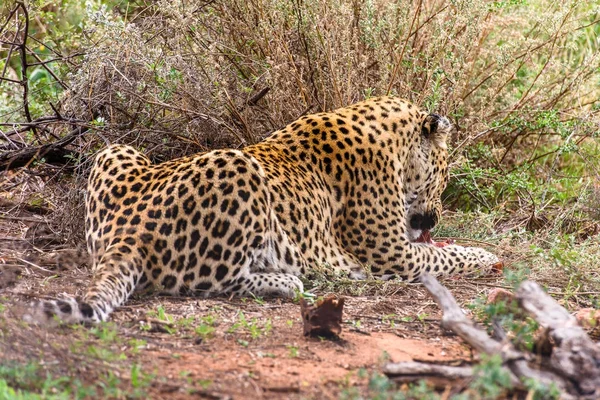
(426, 238)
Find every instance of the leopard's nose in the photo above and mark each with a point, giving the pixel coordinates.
(423, 221)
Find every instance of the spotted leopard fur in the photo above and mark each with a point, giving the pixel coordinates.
(349, 189)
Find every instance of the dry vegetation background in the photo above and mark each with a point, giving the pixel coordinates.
(520, 78)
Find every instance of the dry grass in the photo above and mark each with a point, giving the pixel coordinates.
(182, 77)
(172, 78)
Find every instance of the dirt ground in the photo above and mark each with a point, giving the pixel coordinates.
(280, 362)
(215, 348)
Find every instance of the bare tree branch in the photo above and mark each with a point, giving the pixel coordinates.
(53, 153)
(574, 364)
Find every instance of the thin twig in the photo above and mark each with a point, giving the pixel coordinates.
(397, 65)
(7, 62)
(23, 219)
(34, 265)
(43, 64)
(24, 65)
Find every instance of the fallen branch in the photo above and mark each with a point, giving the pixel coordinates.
(419, 370)
(455, 320)
(575, 356)
(254, 99)
(53, 153)
(574, 365)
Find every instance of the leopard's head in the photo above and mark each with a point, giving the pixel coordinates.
(427, 176)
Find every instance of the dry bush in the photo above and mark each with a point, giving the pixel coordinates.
(180, 76)
(518, 78)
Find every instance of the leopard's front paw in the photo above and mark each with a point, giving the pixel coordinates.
(486, 260)
(296, 287)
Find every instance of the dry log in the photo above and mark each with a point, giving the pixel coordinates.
(455, 320)
(575, 356)
(54, 153)
(425, 370)
(254, 99)
(574, 366)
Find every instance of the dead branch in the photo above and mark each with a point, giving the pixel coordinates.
(455, 320)
(254, 99)
(421, 370)
(575, 356)
(10, 50)
(19, 154)
(22, 47)
(574, 365)
(9, 206)
(43, 64)
(53, 153)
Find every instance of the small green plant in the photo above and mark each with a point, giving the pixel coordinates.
(390, 319)
(160, 314)
(205, 331)
(380, 387)
(506, 313)
(310, 298)
(252, 327)
(140, 380)
(206, 328)
(258, 300)
(379, 384)
(104, 353)
(30, 382)
(204, 383)
(136, 345)
(98, 122)
(186, 322)
(515, 276)
(107, 332)
(422, 317)
(491, 380)
(421, 391)
(293, 351)
(111, 385)
(145, 326)
(541, 391)
(384, 357)
(521, 328)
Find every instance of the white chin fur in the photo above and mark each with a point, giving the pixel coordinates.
(414, 234)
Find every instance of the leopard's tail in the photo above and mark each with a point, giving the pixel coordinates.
(114, 280)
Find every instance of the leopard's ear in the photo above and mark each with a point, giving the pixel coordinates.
(436, 129)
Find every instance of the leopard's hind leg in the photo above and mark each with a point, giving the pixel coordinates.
(114, 279)
(272, 267)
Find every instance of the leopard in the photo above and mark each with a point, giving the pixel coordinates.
(351, 190)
